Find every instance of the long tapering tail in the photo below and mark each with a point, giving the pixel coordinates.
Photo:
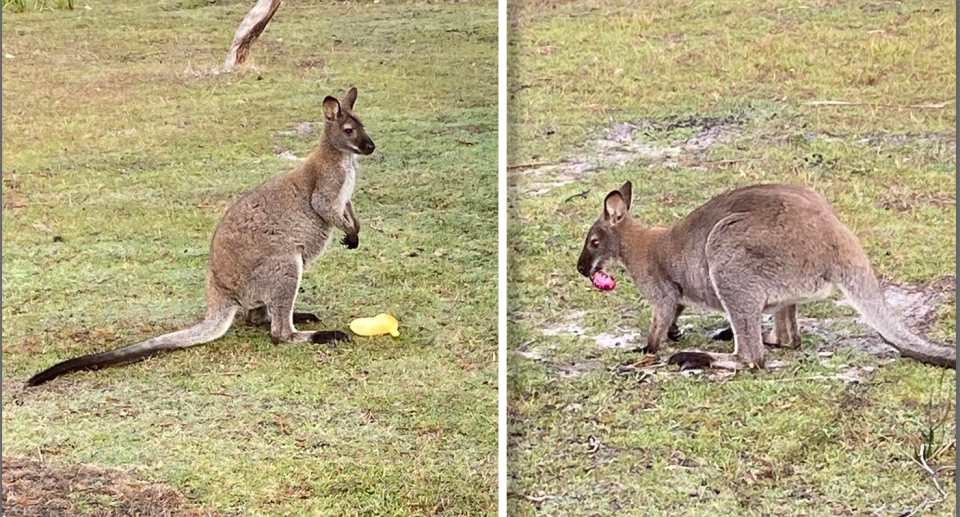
(864, 293)
(214, 325)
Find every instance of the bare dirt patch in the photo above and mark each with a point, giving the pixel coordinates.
(32, 488)
(654, 141)
(285, 153)
(302, 129)
(945, 140)
(902, 200)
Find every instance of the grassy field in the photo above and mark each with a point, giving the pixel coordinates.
(688, 100)
(122, 149)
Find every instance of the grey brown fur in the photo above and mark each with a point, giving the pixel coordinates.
(754, 250)
(263, 243)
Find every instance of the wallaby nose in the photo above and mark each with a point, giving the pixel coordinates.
(582, 269)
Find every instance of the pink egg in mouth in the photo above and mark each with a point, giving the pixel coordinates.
(603, 281)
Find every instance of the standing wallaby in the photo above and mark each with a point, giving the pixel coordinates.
(765, 248)
(262, 244)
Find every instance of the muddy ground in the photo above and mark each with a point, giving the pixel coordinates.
(34, 488)
(683, 142)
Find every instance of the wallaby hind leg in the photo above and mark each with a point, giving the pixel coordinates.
(786, 332)
(748, 348)
(260, 316)
(283, 295)
(742, 296)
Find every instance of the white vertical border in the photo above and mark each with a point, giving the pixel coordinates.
(502, 258)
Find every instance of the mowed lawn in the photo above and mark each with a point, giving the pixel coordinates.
(122, 150)
(687, 100)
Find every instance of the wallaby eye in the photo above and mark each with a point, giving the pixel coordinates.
(595, 242)
(348, 131)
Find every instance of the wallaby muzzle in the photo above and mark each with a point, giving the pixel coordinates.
(367, 146)
(587, 265)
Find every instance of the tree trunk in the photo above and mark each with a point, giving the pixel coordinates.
(248, 32)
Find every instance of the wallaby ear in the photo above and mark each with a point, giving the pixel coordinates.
(627, 192)
(350, 99)
(331, 108)
(614, 207)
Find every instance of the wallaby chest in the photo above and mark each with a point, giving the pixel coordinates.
(348, 165)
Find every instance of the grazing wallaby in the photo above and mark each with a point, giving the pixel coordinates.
(262, 244)
(765, 248)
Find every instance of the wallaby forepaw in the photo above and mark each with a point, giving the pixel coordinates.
(352, 242)
(330, 336)
(691, 360)
(722, 334)
(674, 333)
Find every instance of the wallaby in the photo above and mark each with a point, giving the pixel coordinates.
(764, 248)
(262, 244)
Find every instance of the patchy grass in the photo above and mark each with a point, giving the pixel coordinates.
(39, 5)
(687, 100)
(33, 488)
(122, 150)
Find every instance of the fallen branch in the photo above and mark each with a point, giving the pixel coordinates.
(582, 195)
(729, 160)
(531, 165)
(935, 105)
(810, 378)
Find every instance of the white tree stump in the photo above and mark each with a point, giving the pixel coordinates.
(250, 28)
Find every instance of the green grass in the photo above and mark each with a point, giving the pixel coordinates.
(762, 443)
(122, 151)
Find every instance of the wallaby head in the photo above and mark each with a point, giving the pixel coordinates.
(603, 239)
(342, 129)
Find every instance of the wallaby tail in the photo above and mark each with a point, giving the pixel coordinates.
(215, 324)
(864, 293)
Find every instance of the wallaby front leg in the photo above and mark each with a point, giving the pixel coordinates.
(674, 333)
(328, 209)
(352, 238)
(664, 316)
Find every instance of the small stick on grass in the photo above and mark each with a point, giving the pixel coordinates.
(531, 165)
(538, 499)
(927, 503)
(582, 195)
(929, 105)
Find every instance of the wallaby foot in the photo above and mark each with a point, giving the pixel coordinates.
(317, 336)
(330, 336)
(259, 317)
(697, 360)
(721, 334)
(305, 317)
(786, 332)
(726, 334)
